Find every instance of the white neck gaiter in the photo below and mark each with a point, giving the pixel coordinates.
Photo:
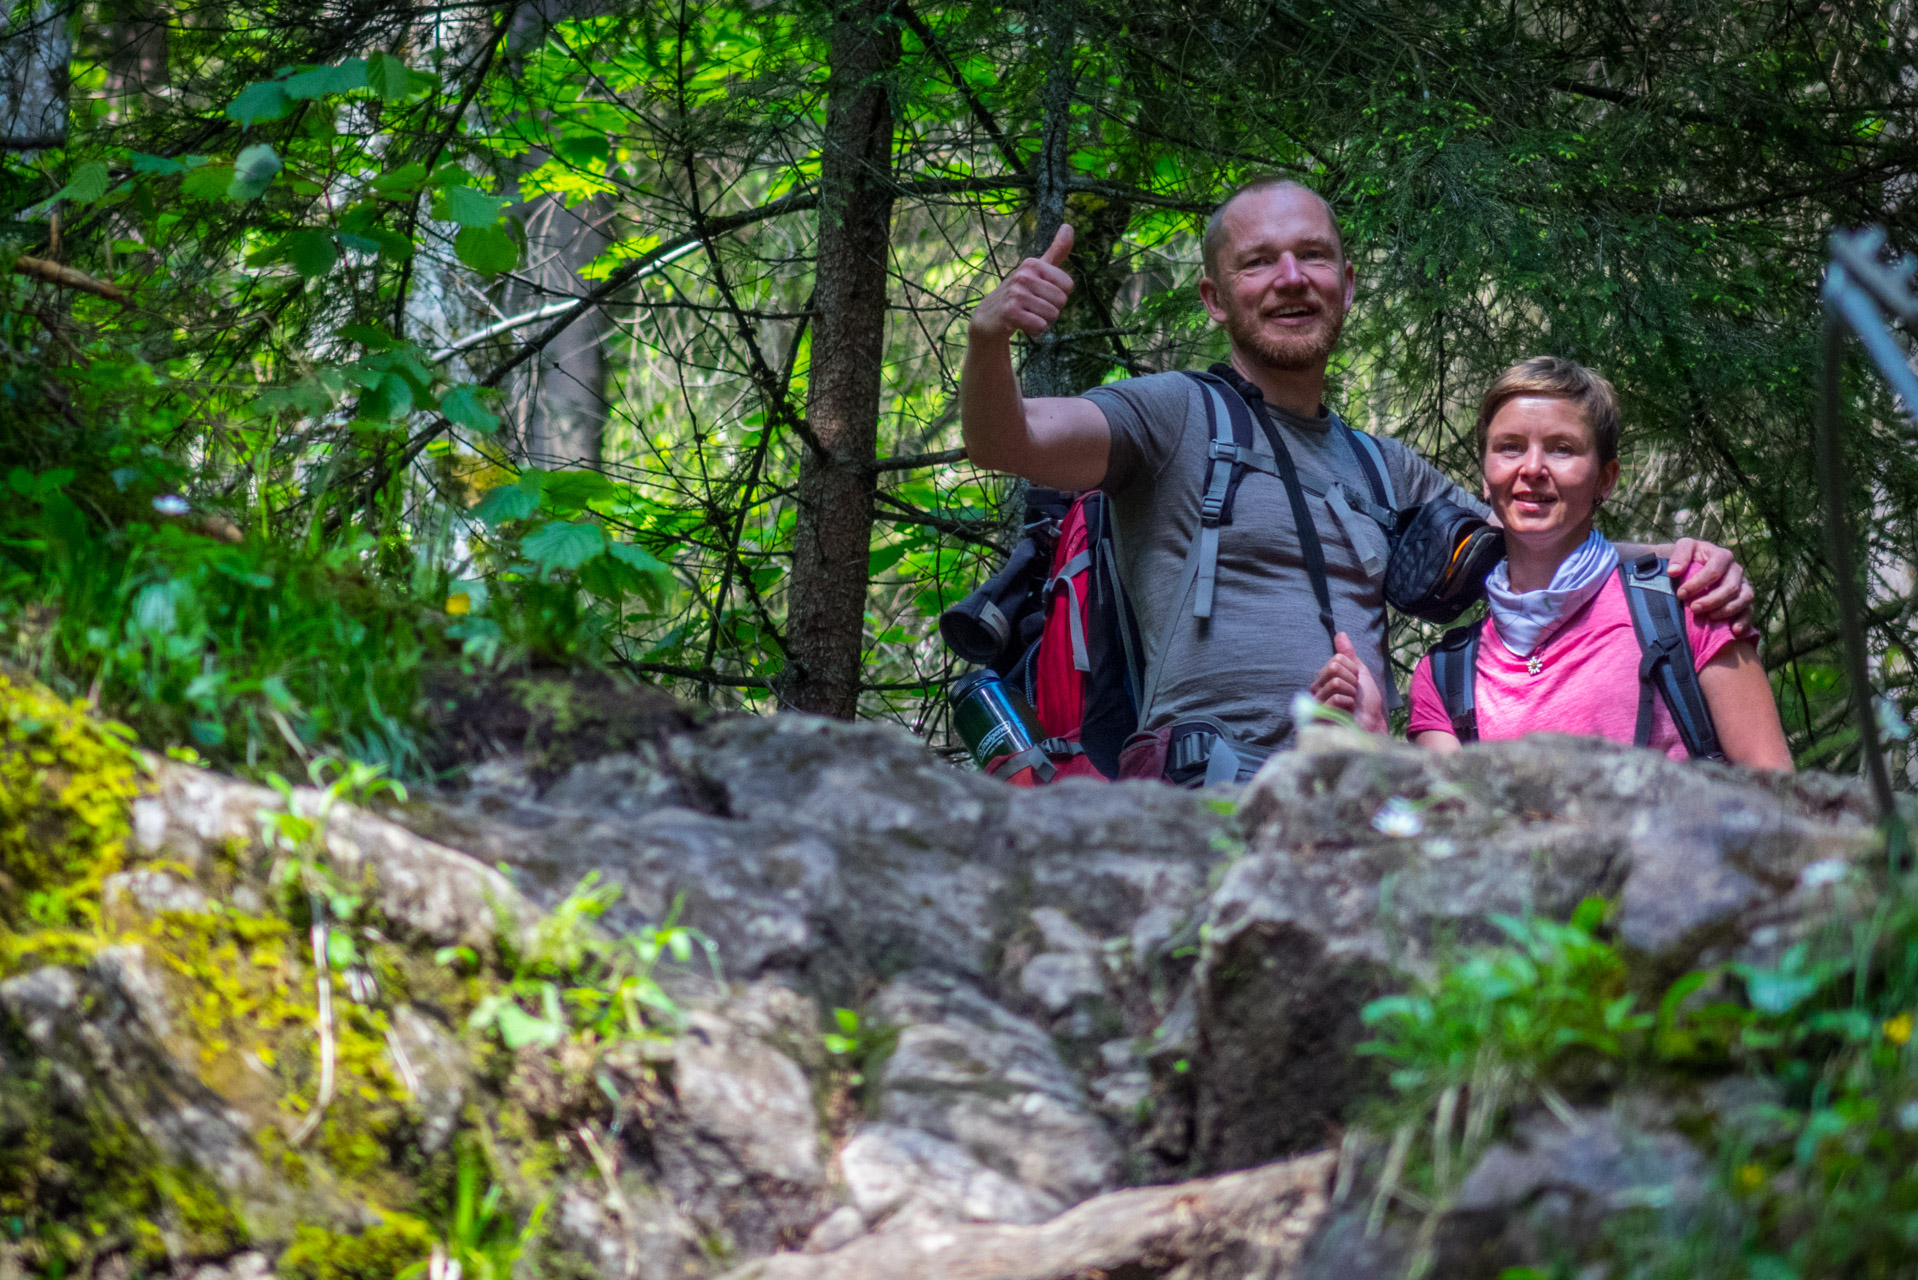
(1526, 618)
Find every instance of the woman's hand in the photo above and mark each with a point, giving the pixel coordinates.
(1346, 684)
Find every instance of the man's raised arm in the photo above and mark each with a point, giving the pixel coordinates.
(1060, 442)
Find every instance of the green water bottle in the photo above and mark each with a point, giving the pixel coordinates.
(992, 720)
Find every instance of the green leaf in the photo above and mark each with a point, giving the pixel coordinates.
(345, 78)
(462, 406)
(568, 491)
(156, 164)
(1774, 992)
(392, 245)
(266, 100)
(403, 181)
(88, 183)
(518, 1029)
(488, 250)
(340, 951)
(253, 172)
(312, 253)
(638, 557)
(210, 183)
(469, 207)
(370, 336)
(387, 400)
(508, 502)
(563, 545)
(389, 77)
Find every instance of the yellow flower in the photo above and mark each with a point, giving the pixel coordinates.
(459, 603)
(1750, 1177)
(1898, 1029)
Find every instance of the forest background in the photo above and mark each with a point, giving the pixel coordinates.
(419, 346)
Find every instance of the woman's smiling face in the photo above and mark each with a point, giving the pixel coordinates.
(1542, 473)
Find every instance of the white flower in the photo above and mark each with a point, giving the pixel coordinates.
(1398, 817)
(1823, 872)
(1305, 708)
(171, 504)
(1440, 849)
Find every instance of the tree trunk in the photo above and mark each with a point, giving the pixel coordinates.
(826, 614)
(559, 400)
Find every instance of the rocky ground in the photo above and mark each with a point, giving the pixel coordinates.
(1085, 1031)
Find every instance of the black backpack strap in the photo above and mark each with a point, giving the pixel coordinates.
(1455, 673)
(1665, 658)
(1309, 546)
(1372, 462)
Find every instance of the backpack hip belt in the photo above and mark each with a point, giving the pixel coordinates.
(1203, 739)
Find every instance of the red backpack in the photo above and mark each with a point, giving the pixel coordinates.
(1079, 671)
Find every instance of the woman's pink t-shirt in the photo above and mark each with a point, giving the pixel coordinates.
(1587, 681)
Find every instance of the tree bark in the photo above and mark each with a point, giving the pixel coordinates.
(832, 537)
(559, 398)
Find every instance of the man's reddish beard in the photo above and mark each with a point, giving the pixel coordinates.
(1290, 353)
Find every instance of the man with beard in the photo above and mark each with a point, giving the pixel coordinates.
(1277, 279)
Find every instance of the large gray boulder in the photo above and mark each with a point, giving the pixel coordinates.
(1368, 859)
(1062, 996)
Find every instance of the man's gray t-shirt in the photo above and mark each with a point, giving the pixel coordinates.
(1264, 642)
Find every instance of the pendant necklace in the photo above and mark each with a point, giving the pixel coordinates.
(1534, 662)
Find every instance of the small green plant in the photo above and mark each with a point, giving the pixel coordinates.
(482, 1241)
(1502, 1024)
(571, 979)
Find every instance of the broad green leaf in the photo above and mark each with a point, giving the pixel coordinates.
(370, 336)
(345, 78)
(638, 557)
(508, 502)
(89, 183)
(470, 207)
(389, 77)
(488, 250)
(587, 151)
(463, 407)
(403, 181)
(1775, 992)
(518, 1029)
(393, 246)
(312, 253)
(357, 243)
(266, 100)
(155, 164)
(388, 400)
(563, 545)
(253, 172)
(574, 490)
(209, 183)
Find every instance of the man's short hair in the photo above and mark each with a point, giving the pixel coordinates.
(1561, 379)
(1215, 225)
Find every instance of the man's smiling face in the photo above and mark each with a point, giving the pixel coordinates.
(1282, 284)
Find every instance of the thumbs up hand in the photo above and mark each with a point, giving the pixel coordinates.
(1030, 299)
(1346, 684)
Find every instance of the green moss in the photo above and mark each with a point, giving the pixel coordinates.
(66, 783)
(379, 1253)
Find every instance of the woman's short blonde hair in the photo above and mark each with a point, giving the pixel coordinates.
(1566, 380)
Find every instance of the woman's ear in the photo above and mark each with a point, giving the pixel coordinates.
(1607, 479)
